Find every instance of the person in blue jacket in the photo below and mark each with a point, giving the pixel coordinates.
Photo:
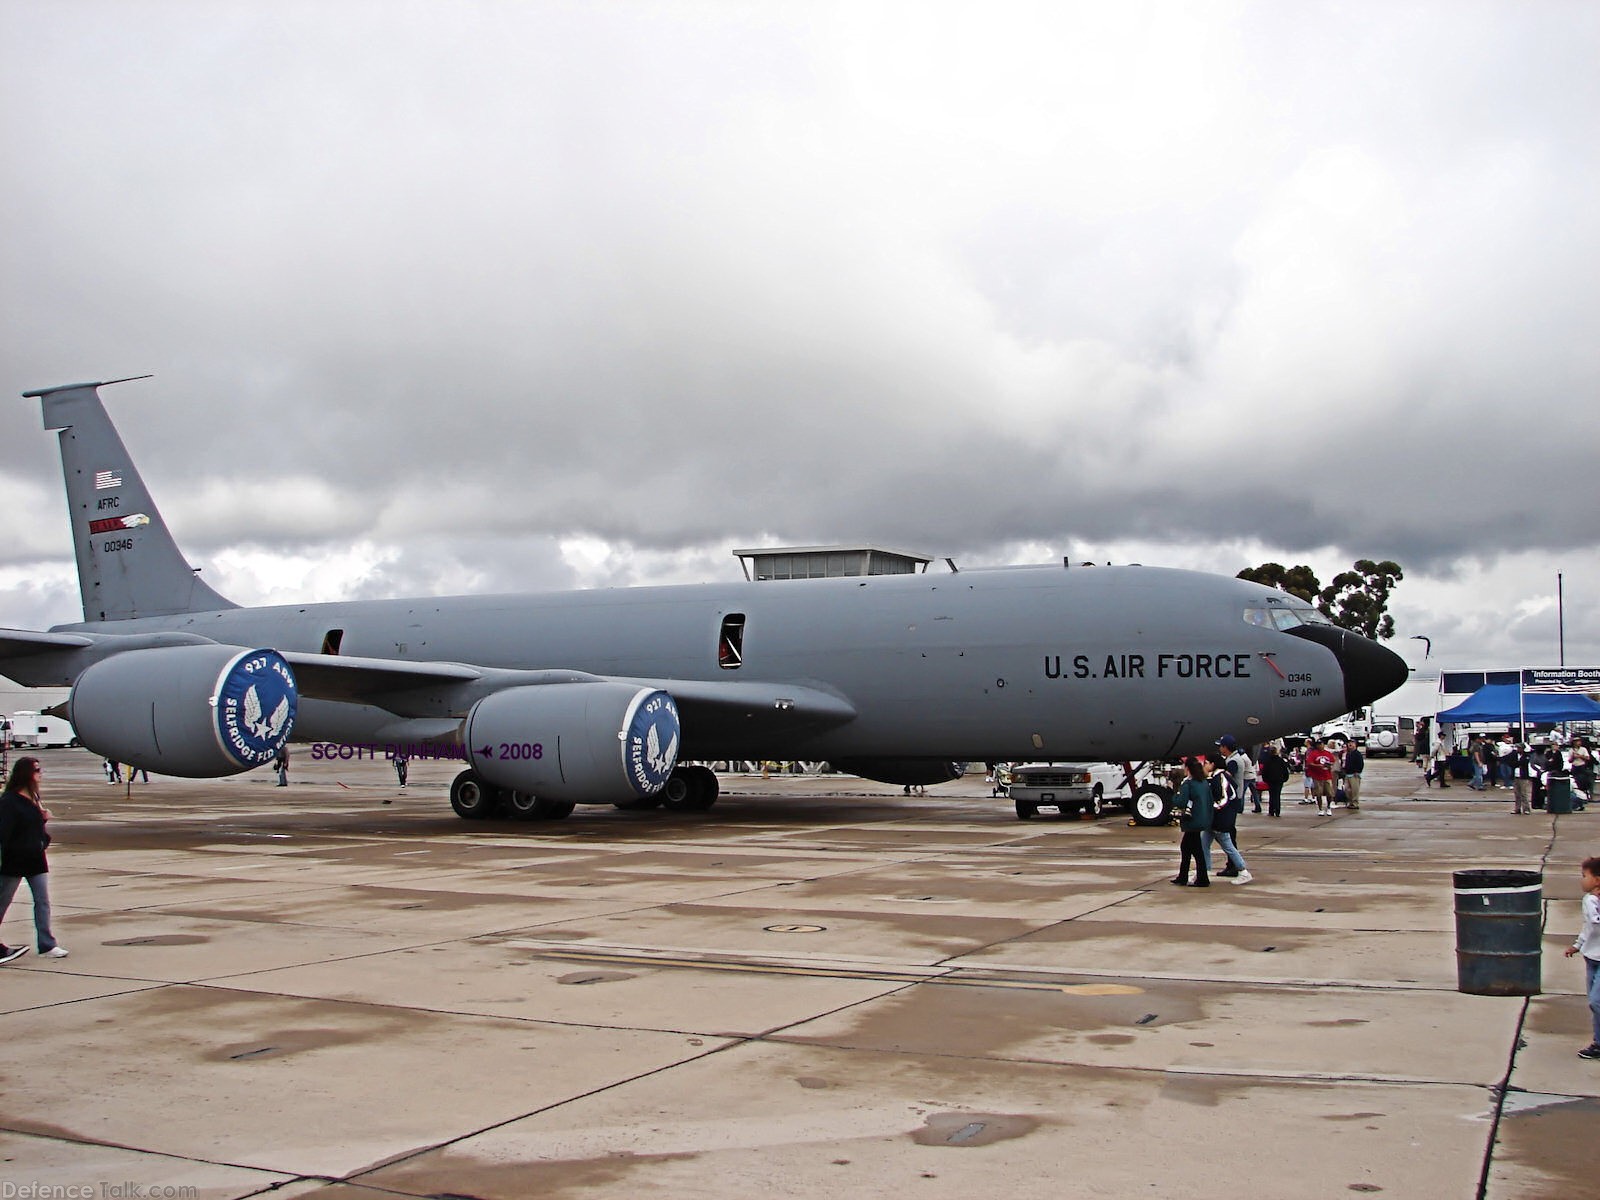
(1193, 803)
(1226, 805)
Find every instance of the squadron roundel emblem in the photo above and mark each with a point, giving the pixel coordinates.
(650, 740)
(256, 702)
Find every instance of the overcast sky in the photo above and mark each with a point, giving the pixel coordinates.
(455, 297)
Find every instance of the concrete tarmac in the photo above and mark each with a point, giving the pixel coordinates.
(820, 986)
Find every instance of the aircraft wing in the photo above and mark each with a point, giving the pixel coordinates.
(417, 689)
(368, 680)
(714, 708)
(711, 708)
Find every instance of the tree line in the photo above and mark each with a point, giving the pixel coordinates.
(1357, 599)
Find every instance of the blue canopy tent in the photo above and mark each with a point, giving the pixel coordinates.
(1507, 702)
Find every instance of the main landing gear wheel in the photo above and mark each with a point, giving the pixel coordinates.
(1152, 805)
(472, 798)
(690, 789)
(527, 807)
(640, 802)
(710, 789)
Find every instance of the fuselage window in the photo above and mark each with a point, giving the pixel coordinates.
(730, 645)
(331, 641)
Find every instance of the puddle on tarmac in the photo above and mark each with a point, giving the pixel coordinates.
(971, 1129)
(281, 1043)
(583, 977)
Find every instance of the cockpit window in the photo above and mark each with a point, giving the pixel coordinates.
(1273, 615)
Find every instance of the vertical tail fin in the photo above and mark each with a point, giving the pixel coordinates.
(128, 564)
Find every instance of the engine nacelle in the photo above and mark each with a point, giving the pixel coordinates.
(586, 743)
(197, 711)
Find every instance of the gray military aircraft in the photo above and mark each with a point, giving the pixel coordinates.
(593, 697)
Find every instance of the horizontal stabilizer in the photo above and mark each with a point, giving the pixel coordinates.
(17, 643)
(36, 659)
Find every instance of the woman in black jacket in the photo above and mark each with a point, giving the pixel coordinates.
(23, 839)
(1275, 771)
(1193, 803)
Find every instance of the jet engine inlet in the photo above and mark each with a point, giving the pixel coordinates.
(194, 711)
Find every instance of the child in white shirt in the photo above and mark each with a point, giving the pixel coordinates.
(1588, 944)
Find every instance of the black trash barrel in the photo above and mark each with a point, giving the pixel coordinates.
(1558, 794)
(1498, 919)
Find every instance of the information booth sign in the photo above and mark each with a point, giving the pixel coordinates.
(1561, 680)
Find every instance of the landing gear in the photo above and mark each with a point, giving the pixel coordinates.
(640, 802)
(1151, 805)
(527, 807)
(690, 789)
(472, 798)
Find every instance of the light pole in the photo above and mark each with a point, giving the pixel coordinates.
(1561, 624)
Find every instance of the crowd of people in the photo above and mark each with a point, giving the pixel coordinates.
(1521, 767)
(1213, 789)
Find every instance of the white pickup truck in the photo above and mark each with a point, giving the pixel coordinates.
(1066, 788)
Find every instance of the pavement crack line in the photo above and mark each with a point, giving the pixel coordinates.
(68, 1138)
(417, 1152)
(1504, 1086)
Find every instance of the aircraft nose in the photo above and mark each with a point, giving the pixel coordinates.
(1371, 671)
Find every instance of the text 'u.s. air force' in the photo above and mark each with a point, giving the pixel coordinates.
(1133, 665)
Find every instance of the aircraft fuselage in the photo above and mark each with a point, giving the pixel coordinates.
(1103, 663)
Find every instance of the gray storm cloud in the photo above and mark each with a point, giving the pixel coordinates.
(473, 284)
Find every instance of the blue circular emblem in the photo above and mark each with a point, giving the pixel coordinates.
(650, 741)
(256, 702)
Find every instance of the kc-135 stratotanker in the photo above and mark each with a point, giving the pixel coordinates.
(615, 696)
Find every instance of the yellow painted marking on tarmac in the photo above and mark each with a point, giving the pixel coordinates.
(1102, 989)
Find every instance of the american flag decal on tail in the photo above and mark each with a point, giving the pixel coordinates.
(107, 479)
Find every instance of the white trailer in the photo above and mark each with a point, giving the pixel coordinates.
(38, 731)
